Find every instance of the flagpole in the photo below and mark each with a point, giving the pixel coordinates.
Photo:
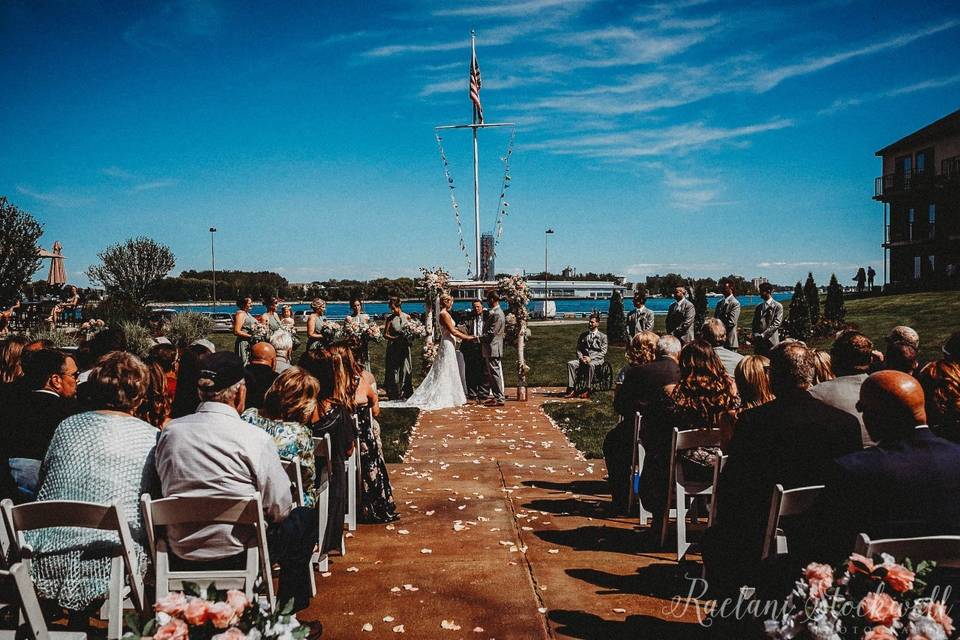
(476, 174)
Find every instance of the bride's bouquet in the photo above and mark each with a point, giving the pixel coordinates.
(413, 329)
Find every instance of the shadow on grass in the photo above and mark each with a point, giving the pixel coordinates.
(587, 626)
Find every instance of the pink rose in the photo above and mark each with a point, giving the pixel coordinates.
(195, 612)
(899, 578)
(171, 604)
(238, 600)
(880, 608)
(231, 634)
(879, 633)
(938, 611)
(221, 614)
(819, 577)
(857, 558)
(176, 629)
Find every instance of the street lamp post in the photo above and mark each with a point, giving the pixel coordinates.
(213, 265)
(546, 291)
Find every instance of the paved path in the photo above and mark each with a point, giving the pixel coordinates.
(502, 536)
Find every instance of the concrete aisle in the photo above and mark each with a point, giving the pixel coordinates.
(502, 536)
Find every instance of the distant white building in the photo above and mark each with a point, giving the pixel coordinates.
(758, 281)
(589, 289)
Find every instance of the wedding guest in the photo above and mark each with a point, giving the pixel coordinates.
(790, 440)
(905, 486)
(103, 456)
(289, 324)
(641, 350)
(270, 317)
(358, 319)
(260, 372)
(32, 412)
(289, 405)
(215, 452)
(376, 495)
(753, 382)
(951, 348)
(727, 312)
(156, 406)
(822, 366)
(941, 388)
(767, 320)
(850, 355)
(168, 357)
(244, 325)
(315, 321)
(335, 400)
(398, 377)
(904, 334)
(704, 397)
(473, 353)
(680, 316)
(282, 343)
(591, 353)
(10, 369)
(900, 356)
(715, 333)
(641, 318)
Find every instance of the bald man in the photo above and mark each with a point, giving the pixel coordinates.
(260, 373)
(905, 486)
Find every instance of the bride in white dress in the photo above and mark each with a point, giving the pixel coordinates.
(443, 385)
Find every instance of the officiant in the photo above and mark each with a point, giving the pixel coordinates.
(398, 379)
(473, 324)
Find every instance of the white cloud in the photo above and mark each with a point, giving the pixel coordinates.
(491, 84)
(152, 185)
(511, 9)
(845, 103)
(56, 199)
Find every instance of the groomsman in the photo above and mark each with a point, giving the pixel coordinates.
(491, 345)
(641, 318)
(727, 311)
(767, 319)
(680, 316)
(474, 325)
(591, 352)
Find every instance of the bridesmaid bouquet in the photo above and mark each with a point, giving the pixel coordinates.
(222, 615)
(331, 332)
(869, 599)
(413, 329)
(259, 332)
(357, 332)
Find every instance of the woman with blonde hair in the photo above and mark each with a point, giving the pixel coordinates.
(641, 350)
(10, 350)
(753, 381)
(822, 366)
(941, 387)
(315, 322)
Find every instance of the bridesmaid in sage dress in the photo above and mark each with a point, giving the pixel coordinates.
(243, 324)
(315, 322)
(361, 353)
(270, 317)
(398, 379)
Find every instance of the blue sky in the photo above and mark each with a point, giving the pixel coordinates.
(698, 136)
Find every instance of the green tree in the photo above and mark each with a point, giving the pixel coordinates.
(700, 306)
(130, 271)
(19, 253)
(616, 319)
(833, 309)
(799, 321)
(813, 298)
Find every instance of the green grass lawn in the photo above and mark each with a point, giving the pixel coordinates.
(933, 315)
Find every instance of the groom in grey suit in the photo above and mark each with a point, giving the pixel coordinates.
(491, 344)
(727, 311)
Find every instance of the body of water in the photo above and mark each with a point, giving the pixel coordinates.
(338, 310)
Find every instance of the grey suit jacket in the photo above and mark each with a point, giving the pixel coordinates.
(495, 327)
(729, 314)
(639, 320)
(680, 317)
(592, 346)
(767, 320)
(843, 393)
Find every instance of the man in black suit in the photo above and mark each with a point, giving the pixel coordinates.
(474, 324)
(29, 418)
(905, 486)
(260, 373)
(641, 386)
(791, 441)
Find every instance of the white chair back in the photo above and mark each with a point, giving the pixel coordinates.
(295, 474)
(125, 569)
(321, 484)
(944, 550)
(200, 511)
(353, 478)
(34, 626)
(681, 489)
(786, 502)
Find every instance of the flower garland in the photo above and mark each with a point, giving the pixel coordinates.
(502, 205)
(872, 599)
(434, 283)
(454, 203)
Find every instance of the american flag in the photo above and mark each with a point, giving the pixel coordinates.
(475, 89)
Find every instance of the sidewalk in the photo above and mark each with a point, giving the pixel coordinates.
(502, 535)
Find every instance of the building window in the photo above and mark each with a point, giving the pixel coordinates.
(916, 267)
(921, 161)
(931, 220)
(911, 218)
(931, 265)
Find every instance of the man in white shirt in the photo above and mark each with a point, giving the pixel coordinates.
(214, 453)
(727, 311)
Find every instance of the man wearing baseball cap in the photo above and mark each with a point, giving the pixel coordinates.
(214, 453)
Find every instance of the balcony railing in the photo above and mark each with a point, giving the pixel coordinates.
(895, 183)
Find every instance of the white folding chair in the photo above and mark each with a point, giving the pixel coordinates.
(34, 626)
(718, 466)
(321, 484)
(786, 502)
(125, 580)
(353, 480)
(295, 474)
(944, 550)
(680, 488)
(200, 511)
